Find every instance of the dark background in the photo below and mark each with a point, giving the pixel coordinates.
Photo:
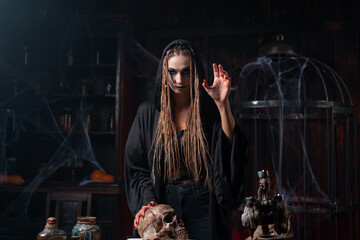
(227, 32)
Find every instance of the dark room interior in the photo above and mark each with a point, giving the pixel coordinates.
(73, 74)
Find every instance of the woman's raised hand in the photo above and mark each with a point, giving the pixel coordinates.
(219, 91)
(141, 213)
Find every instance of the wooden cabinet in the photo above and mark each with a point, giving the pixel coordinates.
(61, 118)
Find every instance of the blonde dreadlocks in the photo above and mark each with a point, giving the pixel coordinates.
(193, 142)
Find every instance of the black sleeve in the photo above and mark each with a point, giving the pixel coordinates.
(138, 187)
(230, 167)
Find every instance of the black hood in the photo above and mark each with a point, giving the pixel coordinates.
(207, 105)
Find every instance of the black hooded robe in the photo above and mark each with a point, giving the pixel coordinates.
(228, 168)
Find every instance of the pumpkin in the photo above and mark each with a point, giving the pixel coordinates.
(11, 179)
(98, 175)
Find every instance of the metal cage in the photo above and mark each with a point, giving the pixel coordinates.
(298, 117)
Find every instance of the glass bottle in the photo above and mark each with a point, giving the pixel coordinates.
(84, 87)
(88, 122)
(111, 122)
(86, 229)
(65, 120)
(51, 231)
(108, 87)
(62, 88)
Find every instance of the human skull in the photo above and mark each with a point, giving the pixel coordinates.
(161, 222)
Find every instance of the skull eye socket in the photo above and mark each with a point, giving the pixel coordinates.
(169, 217)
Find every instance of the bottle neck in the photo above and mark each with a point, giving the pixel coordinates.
(50, 226)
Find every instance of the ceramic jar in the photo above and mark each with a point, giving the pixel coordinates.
(86, 229)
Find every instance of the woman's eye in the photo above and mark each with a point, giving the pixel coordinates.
(172, 72)
(186, 72)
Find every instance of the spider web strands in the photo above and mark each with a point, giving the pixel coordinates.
(297, 113)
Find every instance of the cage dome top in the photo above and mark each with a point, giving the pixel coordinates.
(286, 78)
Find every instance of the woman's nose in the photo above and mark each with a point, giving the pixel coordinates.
(179, 78)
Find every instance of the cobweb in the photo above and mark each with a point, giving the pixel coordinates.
(286, 106)
(37, 91)
(296, 143)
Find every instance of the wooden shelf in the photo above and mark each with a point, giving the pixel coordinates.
(76, 97)
(94, 133)
(110, 96)
(102, 189)
(89, 66)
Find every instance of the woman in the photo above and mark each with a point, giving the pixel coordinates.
(186, 150)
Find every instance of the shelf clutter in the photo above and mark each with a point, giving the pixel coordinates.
(62, 98)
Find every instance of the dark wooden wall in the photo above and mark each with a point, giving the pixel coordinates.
(230, 32)
(227, 32)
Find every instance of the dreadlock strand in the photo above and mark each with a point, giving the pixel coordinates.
(193, 143)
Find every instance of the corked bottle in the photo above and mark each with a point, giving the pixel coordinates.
(65, 120)
(111, 122)
(51, 231)
(86, 229)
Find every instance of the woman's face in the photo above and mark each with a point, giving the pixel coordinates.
(179, 74)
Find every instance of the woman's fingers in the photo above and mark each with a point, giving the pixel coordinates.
(206, 86)
(136, 220)
(216, 71)
(152, 204)
(137, 217)
(223, 73)
(141, 213)
(219, 71)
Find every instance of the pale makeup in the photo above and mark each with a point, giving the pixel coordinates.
(179, 73)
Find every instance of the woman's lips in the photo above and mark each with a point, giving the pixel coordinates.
(179, 87)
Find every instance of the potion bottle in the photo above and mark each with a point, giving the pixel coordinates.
(86, 228)
(66, 120)
(111, 122)
(109, 87)
(51, 231)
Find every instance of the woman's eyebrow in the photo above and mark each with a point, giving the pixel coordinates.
(185, 68)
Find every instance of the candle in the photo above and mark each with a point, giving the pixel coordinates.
(250, 200)
(277, 198)
(262, 174)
